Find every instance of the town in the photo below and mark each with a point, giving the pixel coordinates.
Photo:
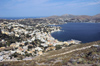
(23, 42)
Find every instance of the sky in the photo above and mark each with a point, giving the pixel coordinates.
(35, 8)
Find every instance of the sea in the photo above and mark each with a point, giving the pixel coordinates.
(84, 32)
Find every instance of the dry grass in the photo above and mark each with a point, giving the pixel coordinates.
(50, 60)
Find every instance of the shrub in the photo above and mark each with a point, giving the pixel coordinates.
(58, 64)
(15, 54)
(94, 65)
(30, 47)
(64, 62)
(28, 54)
(89, 62)
(58, 47)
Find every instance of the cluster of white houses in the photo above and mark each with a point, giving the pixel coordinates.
(28, 45)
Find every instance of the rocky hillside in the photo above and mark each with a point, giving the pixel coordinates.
(76, 18)
(76, 55)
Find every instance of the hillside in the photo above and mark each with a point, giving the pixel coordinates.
(83, 54)
(77, 18)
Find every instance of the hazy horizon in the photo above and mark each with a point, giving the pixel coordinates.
(36, 8)
(43, 16)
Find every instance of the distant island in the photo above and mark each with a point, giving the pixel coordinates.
(77, 18)
(59, 19)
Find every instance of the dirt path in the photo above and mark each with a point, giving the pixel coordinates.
(78, 49)
(62, 53)
(71, 51)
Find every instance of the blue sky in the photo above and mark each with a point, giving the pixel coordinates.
(30, 8)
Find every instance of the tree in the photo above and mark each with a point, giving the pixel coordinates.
(58, 47)
(8, 43)
(30, 47)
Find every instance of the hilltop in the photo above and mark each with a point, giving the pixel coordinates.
(77, 18)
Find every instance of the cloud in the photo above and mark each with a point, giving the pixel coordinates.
(31, 4)
(19, 4)
(46, 6)
(94, 3)
(81, 3)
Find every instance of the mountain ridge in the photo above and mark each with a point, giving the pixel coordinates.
(76, 18)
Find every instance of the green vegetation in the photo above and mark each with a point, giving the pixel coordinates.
(58, 47)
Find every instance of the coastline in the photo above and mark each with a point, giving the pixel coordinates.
(57, 42)
(57, 33)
